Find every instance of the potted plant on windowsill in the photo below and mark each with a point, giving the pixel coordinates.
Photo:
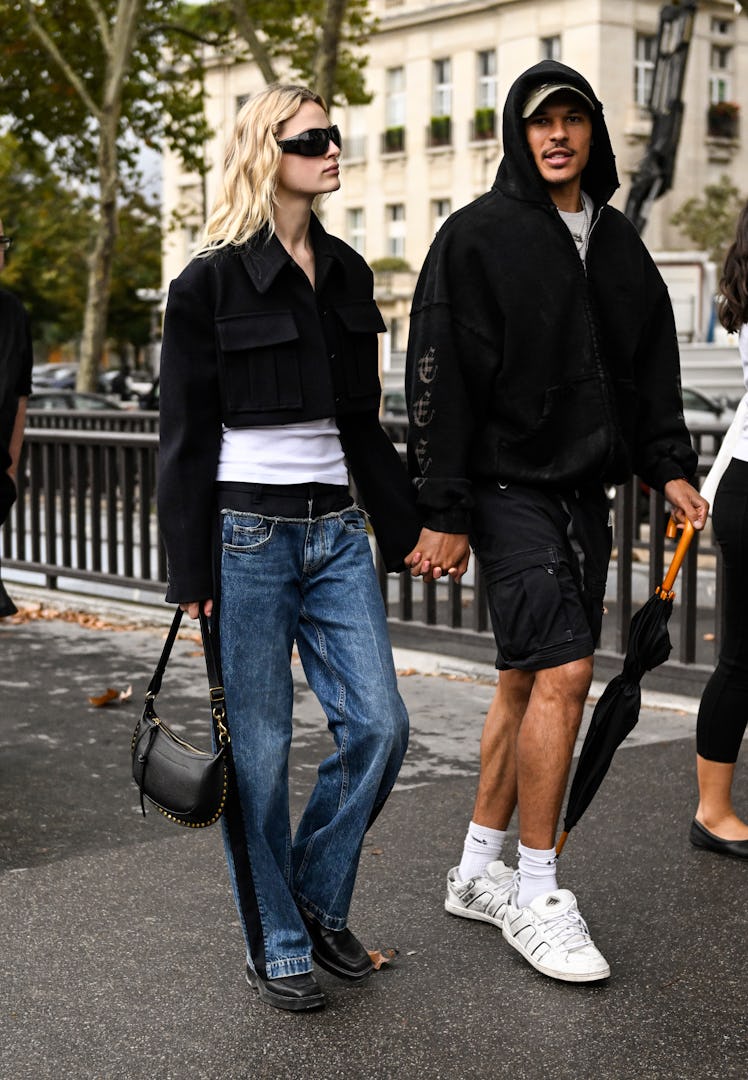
(484, 124)
(440, 132)
(723, 119)
(393, 141)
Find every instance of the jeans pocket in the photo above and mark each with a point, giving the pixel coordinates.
(353, 521)
(245, 532)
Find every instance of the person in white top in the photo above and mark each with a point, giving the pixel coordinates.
(723, 711)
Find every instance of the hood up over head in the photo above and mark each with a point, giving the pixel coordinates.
(518, 176)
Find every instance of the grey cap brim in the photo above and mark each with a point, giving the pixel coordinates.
(539, 95)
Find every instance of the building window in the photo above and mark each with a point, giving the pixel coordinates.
(393, 136)
(355, 137)
(356, 229)
(644, 65)
(396, 230)
(485, 96)
(396, 335)
(440, 211)
(720, 27)
(550, 47)
(394, 95)
(720, 81)
(442, 84)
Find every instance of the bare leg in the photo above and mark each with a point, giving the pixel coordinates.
(715, 810)
(545, 745)
(496, 797)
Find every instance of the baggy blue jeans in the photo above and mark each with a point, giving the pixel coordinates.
(311, 581)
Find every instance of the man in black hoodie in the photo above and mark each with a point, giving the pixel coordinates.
(542, 367)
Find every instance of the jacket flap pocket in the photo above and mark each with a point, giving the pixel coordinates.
(361, 317)
(256, 331)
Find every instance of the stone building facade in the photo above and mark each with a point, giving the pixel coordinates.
(430, 139)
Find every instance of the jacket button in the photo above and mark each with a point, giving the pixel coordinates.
(332, 355)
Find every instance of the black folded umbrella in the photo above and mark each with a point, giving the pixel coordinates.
(617, 711)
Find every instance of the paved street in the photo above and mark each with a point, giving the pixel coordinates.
(120, 953)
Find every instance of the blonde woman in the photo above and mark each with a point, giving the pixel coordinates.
(269, 393)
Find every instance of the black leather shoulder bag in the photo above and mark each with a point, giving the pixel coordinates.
(186, 784)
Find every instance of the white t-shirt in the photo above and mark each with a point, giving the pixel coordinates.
(579, 224)
(304, 453)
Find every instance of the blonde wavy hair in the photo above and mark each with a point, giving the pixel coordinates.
(245, 204)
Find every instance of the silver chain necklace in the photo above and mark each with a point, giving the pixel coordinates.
(579, 237)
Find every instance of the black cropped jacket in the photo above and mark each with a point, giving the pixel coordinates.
(248, 342)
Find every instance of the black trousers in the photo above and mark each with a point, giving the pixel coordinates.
(724, 704)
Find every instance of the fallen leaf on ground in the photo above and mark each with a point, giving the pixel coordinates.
(381, 956)
(402, 672)
(111, 696)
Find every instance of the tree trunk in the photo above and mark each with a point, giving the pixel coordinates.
(326, 65)
(100, 260)
(118, 48)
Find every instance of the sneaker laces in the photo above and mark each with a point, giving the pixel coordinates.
(567, 930)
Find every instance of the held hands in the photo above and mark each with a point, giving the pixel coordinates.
(193, 609)
(687, 503)
(438, 553)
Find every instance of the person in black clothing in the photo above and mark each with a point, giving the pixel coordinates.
(269, 392)
(723, 711)
(542, 367)
(16, 361)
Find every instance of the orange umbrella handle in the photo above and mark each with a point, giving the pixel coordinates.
(678, 557)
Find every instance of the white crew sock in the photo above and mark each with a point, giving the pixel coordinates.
(482, 846)
(537, 873)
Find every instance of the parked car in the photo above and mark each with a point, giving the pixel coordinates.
(58, 376)
(699, 407)
(63, 377)
(70, 399)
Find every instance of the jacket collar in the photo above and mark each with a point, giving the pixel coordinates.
(264, 259)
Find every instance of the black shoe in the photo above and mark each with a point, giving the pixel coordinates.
(702, 838)
(293, 992)
(338, 951)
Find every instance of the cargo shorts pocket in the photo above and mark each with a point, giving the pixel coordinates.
(526, 600)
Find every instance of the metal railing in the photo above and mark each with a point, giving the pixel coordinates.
(86, 511)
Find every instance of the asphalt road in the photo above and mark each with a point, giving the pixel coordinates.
(121, 957)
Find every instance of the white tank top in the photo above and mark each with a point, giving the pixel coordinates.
(304, 453)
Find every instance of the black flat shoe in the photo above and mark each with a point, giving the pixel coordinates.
(702, 838)
(338, 951)
(296, 993)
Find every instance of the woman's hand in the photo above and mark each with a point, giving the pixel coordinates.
(193, 609)
(438, 553)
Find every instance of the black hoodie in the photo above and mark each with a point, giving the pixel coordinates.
(523, 365)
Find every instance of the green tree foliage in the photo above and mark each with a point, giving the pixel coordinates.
(709, 222)
(88, 83)
(316, 42)
(51, 225)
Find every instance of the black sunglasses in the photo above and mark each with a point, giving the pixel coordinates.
(311, 143)
(5, 243)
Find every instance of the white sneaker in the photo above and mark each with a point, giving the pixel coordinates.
(553, 937)
(484, 897)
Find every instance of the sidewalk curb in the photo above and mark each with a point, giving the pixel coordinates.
(142, 615)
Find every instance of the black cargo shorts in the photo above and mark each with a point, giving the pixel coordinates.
(544, 558)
